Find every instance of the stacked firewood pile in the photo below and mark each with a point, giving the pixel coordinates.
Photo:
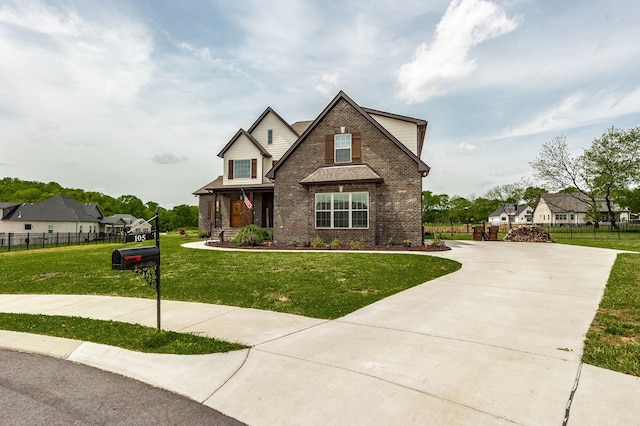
(529, 234)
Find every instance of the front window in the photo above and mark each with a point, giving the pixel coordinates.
(50, 229)
(27, 226)
(342, 146)
(241, 169)
(342, 210)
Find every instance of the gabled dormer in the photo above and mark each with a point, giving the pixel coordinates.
(250, 154)
(241, 165)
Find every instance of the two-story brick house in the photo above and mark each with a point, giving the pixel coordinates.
(353, 173)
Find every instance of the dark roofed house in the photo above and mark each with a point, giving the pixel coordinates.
(571, 208)
(508, 214)
(56, 214)
(353, 173)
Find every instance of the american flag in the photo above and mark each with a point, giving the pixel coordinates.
(247, 201)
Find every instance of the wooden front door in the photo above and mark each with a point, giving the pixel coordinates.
(237, 210)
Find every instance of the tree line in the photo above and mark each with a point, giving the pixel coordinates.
(19, 191)
(607, 172)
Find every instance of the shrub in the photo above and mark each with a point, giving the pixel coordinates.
(317, 242)
(250, 235)
(356, 244)
(335, 243)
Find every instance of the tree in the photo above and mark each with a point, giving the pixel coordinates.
(560, 171)
(509, 193)
(605, 169)
(612, 164)
(532, 195)
(435, 207)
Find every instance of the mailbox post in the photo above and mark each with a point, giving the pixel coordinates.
(144, 261)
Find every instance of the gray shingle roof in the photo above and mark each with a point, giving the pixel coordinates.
(57, 209)
(337, 174)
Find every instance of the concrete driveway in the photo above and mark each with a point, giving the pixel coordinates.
(498, 342)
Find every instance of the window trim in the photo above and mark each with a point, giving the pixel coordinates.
(270, 137)
(332, 210)
(336, 148)
(236, 167)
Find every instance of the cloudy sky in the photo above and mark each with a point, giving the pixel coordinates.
(138, 97)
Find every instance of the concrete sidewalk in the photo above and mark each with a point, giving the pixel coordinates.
(498, 342)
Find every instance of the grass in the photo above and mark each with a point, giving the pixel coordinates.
(324, 285)
(613, 341)
(129, 336)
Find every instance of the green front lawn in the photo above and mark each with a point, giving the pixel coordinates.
(314, 284)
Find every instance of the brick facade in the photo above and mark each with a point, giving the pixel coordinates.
(394, 204)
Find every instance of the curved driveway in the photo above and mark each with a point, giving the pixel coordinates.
(498, 342)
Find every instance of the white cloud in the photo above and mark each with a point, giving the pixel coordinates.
(465, 24)
(579, 109)
(464, 148)
(327, 84)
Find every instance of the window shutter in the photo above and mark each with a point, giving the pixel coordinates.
(230, 171)
(254, 168)
(328, 149)
(356, 156)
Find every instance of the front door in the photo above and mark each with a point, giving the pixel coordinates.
(237, 209)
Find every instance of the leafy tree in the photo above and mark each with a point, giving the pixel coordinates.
(511, 193)
(612, 163)
(630, 198)
(461, 209)
(132, 205)
(532, 195)
(435, 207)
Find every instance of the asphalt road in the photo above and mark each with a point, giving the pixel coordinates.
(40, 390)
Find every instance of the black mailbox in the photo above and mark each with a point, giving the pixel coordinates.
(135, 258)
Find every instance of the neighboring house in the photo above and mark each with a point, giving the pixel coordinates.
(563, 208)
(512, 214)
(124, 223)
(55, 215)
(353, 173)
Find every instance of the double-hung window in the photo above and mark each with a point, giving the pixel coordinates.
(342, 147)
(241, 169)
(342, 210)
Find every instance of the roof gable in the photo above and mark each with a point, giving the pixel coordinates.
(253, 140)
(266, 112)
(422, 167)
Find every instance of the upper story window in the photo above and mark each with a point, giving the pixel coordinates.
(241, 169)
(270, 137)
(342, 147)
(27, 226)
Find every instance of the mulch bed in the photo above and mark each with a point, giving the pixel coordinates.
(265, 246)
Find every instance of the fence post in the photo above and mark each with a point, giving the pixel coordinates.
(44, 235)
(28, 240)
(9, 245)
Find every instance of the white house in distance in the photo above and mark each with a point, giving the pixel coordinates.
(512, 214)
(564, 209)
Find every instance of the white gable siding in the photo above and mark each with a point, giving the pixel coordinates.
(406, 132)
(283, 137)
(542, 213)
(242, 149)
